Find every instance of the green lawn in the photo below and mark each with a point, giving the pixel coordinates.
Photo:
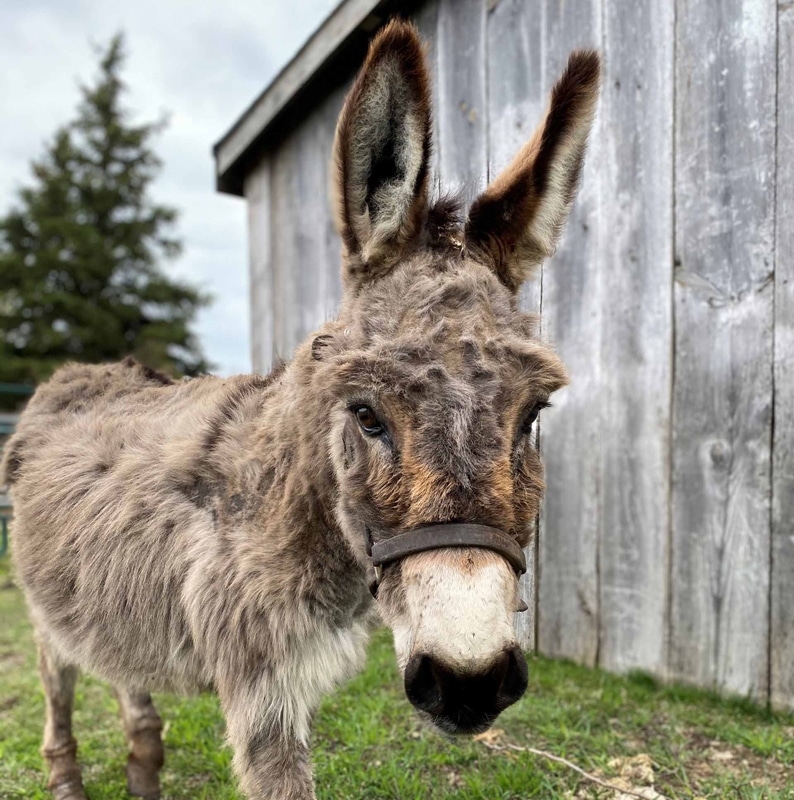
(368, 744)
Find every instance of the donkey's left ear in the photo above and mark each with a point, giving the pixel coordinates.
(381, 155)
(515, 224)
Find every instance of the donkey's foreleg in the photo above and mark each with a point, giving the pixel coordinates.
(143, 727)
(274, 766)
(271, 753)
(60, 747)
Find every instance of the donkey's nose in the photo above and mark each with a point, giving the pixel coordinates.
(461, 701)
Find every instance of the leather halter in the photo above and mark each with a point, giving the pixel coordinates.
(434, 537)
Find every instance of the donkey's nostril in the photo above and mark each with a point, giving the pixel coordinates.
(514, 683)
(423, 684)
(461, 701)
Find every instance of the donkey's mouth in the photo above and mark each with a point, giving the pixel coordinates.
(449, 728)
(465, 702)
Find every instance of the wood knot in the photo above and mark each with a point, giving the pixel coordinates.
(719, 452)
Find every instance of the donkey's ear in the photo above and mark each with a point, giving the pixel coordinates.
(381, 154)
(515, 224)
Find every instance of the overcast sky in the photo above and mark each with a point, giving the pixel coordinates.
(202, 63)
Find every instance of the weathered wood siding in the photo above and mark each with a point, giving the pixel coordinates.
(635, 248)
(666, 542)
(781, 632)
(724, 289)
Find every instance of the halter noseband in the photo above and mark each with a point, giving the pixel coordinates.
(434, 537)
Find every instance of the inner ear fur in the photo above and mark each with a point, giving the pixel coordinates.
(381, 154)
(516, 222)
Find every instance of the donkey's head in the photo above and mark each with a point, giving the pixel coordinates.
(437, 378)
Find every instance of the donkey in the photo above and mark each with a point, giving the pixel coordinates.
(230, 534)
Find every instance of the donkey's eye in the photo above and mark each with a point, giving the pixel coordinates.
(368, 420)
(532, 415)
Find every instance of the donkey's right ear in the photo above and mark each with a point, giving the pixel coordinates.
(516, 222)
(381, 155)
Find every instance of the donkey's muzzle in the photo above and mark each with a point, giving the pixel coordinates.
(465, 702)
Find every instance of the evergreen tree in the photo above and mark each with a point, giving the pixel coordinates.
(81, 253)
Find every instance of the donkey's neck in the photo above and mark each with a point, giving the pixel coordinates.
(295, 478)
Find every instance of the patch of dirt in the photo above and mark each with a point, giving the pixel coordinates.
(629, 777)
(712, 758)
(454, 779)
(197, 781)
(8, 702)
(12, 660)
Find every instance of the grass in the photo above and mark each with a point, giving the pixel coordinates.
(368, 744)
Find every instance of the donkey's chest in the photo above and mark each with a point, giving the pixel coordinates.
(321, 662)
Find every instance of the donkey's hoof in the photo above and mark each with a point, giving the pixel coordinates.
(68, 790)
(139, 791)
(142, 781)
(145, 792)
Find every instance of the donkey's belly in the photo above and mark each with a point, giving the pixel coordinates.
(155, 652)
(117, 613)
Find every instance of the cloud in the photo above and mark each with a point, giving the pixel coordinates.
(202, 65)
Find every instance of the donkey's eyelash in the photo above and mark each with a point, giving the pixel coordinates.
(535, 408)
(530, 415)
(352, 405)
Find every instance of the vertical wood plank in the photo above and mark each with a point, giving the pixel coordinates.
(260, 267)
(317, 262)
(636, 257)
(316, 277)
(426, 20)
(284, 226)
(572, 308)
(517, 97)
(332, 244)
(515, 107)
(307, 251)
(461, 107)
(724, 221)
(782, 612)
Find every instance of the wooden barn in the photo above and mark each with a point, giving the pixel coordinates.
(666, 542)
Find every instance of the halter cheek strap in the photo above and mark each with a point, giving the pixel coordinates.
(434, 537)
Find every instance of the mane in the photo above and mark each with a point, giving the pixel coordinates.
(444, 223)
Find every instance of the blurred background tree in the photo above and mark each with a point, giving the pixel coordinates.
(81, 254)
